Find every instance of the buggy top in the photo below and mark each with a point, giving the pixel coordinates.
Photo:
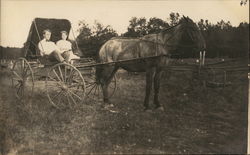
(36, 34)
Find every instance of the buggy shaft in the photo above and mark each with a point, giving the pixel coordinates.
(121, 61)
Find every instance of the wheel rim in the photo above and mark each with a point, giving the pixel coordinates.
(65, 86)
(22, 79)
(94, 89)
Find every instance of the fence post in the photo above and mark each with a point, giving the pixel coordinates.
(200, 60)
(203, 59)
(225, 79)
(203, 56)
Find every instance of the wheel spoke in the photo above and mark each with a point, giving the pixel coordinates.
(91, 89)
(26, 68)
(77, 90)
(71, 74)
(65, 74)
(90, 85)
(17, 79)
(98, 92)
(17, 75)
(111, 86)
(56, 75)
(19, 89)
(68, 100)
(18, 84)
(53, 86)
(52, 79)
(72, 98)
(77, 84)
(60, 71)
(22, 65)
(75, 95)
(27, 75)
(57, 95)
(95, 89)
(91, 77)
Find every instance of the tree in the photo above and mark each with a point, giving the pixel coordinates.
(137, 27)
(90, 40)
(174, 18)
(84, 30)
(243, 2)
(155, 25)
(223, 25)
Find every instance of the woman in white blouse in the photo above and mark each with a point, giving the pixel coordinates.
(64, 45)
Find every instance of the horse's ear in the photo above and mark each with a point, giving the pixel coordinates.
(185, 18)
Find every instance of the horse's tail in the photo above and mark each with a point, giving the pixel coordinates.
(100, 59)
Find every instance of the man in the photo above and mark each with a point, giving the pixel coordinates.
(49, 48)
(65, 46)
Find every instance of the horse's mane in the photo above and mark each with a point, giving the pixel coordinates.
(153, 37)
(163, 30)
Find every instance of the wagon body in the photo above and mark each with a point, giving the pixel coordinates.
(66, 84)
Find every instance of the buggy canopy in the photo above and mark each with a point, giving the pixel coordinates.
(36, 33)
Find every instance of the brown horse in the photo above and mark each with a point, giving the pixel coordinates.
(157, 47)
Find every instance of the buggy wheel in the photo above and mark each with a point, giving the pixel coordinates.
(22, 79)
(65, 86)
(94, 88)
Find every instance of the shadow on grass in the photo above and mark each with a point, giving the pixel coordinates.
(195, 120)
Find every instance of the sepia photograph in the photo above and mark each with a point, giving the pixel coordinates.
(124, 77)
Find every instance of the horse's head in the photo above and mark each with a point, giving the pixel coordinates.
(186, 35)
(191, 35)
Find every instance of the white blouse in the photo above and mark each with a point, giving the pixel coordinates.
(47, 47)
(64, 45)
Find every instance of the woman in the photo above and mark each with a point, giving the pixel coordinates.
(64, 45)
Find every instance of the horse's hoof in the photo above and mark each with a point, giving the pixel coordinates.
(147, 110)
(107, 106)
(159, 108)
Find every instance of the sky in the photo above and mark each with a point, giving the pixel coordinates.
(17, 16)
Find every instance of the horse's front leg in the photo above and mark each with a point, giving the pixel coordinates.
(149, 79)
(105, 93)
(157, 79)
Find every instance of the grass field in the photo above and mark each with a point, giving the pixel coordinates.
(196, 120)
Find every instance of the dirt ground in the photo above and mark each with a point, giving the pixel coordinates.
(196, 119)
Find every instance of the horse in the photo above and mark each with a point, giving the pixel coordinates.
(150, 54)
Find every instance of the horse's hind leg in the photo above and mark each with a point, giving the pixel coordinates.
(149, 79)
(157, 79)
(108, 74)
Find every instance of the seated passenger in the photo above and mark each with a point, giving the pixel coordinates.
(49, 48)
(66, 46)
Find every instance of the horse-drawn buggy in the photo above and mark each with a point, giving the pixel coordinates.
(67, 84)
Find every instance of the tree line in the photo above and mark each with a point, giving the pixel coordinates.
(222, 39)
